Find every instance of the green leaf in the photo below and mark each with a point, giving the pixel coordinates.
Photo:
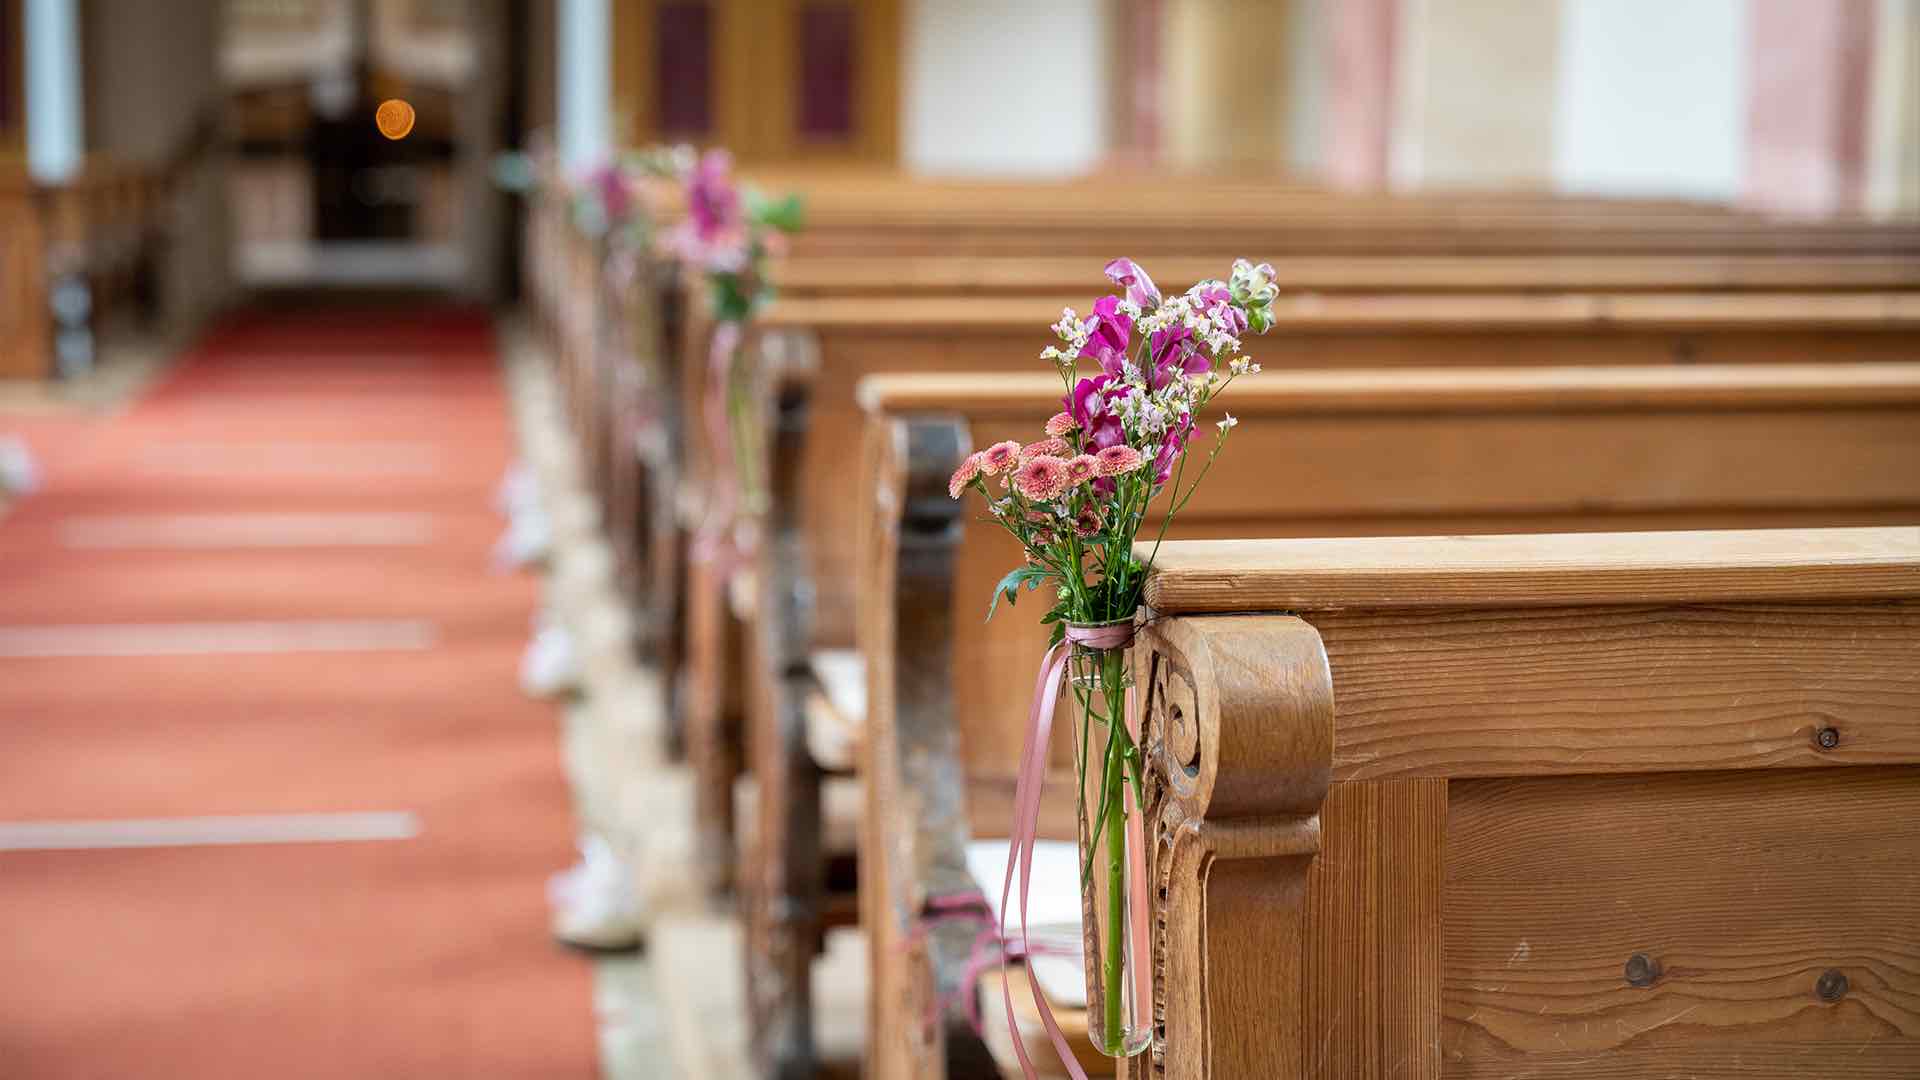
(786, 214)
(1009, 586)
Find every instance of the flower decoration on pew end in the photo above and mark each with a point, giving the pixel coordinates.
(728, 234)
(1137, 371)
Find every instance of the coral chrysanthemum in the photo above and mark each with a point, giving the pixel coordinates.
(964, 475)
(1082, 468)
(1118, 460)
(1042, 478)
(1052, 447)
(1060, 423)
(999, 457)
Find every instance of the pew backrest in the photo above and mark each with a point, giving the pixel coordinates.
(1415, 452)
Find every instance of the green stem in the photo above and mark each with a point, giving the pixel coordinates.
(1114, 961)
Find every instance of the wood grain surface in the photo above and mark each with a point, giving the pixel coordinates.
(1542, 571)
(1740, 890)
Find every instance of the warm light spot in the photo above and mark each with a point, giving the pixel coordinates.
(394, 117)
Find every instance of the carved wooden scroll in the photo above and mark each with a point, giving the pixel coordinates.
(1239, 731)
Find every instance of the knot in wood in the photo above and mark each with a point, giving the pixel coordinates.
(1642, 970)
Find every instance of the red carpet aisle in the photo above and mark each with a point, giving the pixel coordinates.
(263, 590)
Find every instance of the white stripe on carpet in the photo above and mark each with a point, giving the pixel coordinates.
(208, 831)
(289, 459)
(247, 530)
(203, 639)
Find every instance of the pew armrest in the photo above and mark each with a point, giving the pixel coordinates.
(915, 831)
(837, 709)
(1239, 740)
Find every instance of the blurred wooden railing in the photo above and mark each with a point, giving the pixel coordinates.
(71, 254)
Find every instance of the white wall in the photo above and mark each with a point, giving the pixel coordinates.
(1893, 128)
(1652, 98)
(1004, 86)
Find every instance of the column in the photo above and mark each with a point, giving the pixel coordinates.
(1810, 64)
(583, 96)
(1360, 91)
(55, 137)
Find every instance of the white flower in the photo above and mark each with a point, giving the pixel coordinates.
(1228, 424)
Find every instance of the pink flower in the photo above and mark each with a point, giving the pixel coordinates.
(1060, 424)
(1054, 447)
(1140, 288)
(999, 457)
(1042, 478)
(964, 475)
(1087, 524)
(713, 203)
(1177, 435)
(1112, 331)
(1088, 405)
(1082, 468)
(1118, 460)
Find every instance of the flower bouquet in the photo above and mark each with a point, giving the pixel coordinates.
(1076, 500)
(727, 236)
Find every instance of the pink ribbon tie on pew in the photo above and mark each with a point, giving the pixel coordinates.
(1026, 826)
(989, 948)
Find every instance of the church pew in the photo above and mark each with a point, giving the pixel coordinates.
(1554, 806)
(95, 235)
(1316, 454)
(1053, 274)
(1382, 322)
(863, 335)
(842, 340)
(1549, 243)
(866, 214)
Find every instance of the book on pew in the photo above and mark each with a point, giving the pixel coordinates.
(1053, 913)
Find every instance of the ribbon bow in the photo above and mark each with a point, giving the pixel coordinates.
(988, 949)
(1026, 824)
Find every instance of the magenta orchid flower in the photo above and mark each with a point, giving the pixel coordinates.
(1110, 337)
(1141, 291)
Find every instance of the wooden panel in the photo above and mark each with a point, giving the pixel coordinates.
(1623, 689)
(1545, 571)
(1740, 891)
(1374, 932)
(25, 345)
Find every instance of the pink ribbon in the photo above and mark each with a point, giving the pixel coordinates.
(1026, 825)
(989, 949)
(713, 542)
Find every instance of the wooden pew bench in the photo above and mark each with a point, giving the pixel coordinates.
(883, 235)
(951, 276)
(839, 341)
(1557, 806)
(1317, 453)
